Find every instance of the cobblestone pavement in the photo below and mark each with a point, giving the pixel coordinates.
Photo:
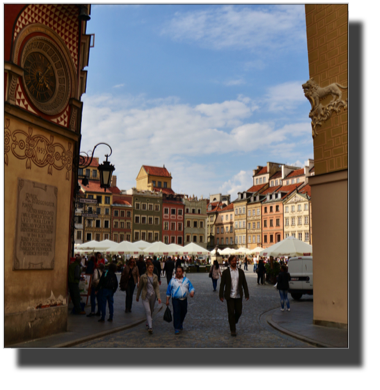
(206, 323)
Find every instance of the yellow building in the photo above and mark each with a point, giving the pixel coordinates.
(327, 42)
(44, 80)
(154, 179)
(254, 220)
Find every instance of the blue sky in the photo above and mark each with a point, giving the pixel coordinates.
(211, 91)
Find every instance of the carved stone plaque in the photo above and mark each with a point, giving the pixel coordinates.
(35, 226)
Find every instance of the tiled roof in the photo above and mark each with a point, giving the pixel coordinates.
(256, 188)
(115, 190)
(262, 171)
(156, 171)
(311, 169)
(297, 172)
(120, 201)
(276, 175)
(305, 190)
(164, 190)
(94, 162)
(270, 190)
(214, 207)
(227, 208)
(289, 189)
(94, 186)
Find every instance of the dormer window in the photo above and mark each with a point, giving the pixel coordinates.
(276, 182)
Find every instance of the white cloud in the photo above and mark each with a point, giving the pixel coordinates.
(232, 83)
(241, 27)
(240, 182)
(118, 86)
(286, 96)
(183, 137)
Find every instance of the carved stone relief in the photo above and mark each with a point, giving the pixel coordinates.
(37, 149)
(320, 113)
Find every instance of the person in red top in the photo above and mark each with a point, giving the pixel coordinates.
(99, 258)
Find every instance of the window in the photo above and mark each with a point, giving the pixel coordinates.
(128, 225)
(187, 238)
(115, 238)
(156, 221)
(150, 236)
(276, 182)
(253, 239)
(286, 221)
(298, 180)
(236, 240)
(258, 225)
(179, 238)
(221, 241)
(231, 229)
(258, 211)
(99, 199)
(271, 222)
(306, 220)
(286, 209)
(231, 215)
(156, 236)
(272, 183)
(106, 224)
(166, 225)
(143, 236)
(159, 184)
(157, 207)
(187, 211)
(293, 209)
(277, 222)
(201, 224)
(243, 210)
(253, 225)
(226, 229)
(271, 209)
(180, 226)
(79, 235)
(299, 220)
(166, 211)
(187, 223)
(154, 183)
(80, 172)
(107, 200)
(239, 239)
(143, 221)
(300, 236)
(306, 207)
(137, 219)
(98, 211)
(221, 218)
(243, 224)
(128, 214)
(166, 239)
(249, 225)
(293, 221)
(195, 224)
(217, 230)
(194, 238)
(137, 236)
(193, 211)
(88, 171)
(150, 220)
(122, 213)
(199, 211)
(258, 239)
(236, 225)
(300, 207)
(287, 182)
(97, 237)
(89, 209)
(236, 211)
(144, 206)
(201, 238)
(306, 236)
(271, 238)
(116, 224)
(137, 206)
(231, 241)
(261, 180)
(116, 213)
(165, 184)
(239, 224)
(217, 241)
(249, 239)
(128, 238)
(173, 211)
(180, 212)
(239, 210)
(173, 226)
(150, 207)
(265, 239)
(89, 223)
(97, 223)
(249, 213)
(286, 235)
(277, 208)
(107, 211)
(265, 223)
(265, 210)
(122, 225)
(292, 181)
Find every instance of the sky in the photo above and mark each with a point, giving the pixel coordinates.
(209, 91)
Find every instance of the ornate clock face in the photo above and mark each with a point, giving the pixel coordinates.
(39, 77)
(46, 75)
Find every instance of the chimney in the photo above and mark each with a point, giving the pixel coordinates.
(113, 181)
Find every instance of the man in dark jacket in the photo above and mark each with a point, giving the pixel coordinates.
(168, 268)
(141, 265)
(157, 268)
(231, 288)
(74, 277)
(107, 287)
(261, 272)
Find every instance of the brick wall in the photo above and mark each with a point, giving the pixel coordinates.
(327, 41)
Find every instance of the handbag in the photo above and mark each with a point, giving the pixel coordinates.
(168, 315)
(210, 273)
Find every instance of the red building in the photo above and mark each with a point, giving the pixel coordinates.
(173, 211)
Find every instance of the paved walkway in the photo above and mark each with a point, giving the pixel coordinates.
(262, 324)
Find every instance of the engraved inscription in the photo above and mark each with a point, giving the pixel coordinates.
(36, 226)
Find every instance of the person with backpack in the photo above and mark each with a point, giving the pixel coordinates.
(107, 287)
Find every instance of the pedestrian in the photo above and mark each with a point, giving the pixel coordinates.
(99, 258)
(162, 263)
(149, 289)
(128, 280)
(98, 272)
(168, 269)
(73, 283)
(215, 273)
(141, 265)
(283, 286)
(246, 263)
(178, 289)
(261, 272)
(157, 269)
(231, 288)
(107, 287)
(178, 263)
(91, 265)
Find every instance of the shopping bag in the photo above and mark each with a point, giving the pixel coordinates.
(168, 315)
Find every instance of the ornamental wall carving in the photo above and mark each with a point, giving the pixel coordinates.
(37, 149)
(315, 94)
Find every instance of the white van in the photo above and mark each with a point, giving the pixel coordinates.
(301, 276)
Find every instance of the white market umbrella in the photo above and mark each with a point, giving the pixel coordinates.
(86, 245)
(194, 249)
(142, 244)
(126, 248)
(226, 251)
(175, 249)
(290, 246)
(258, 249)
(213, 252)
(158, 248)
(97, 245)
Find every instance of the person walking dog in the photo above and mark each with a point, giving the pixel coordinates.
(231, 288)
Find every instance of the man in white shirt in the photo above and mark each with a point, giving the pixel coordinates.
(231, 288)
